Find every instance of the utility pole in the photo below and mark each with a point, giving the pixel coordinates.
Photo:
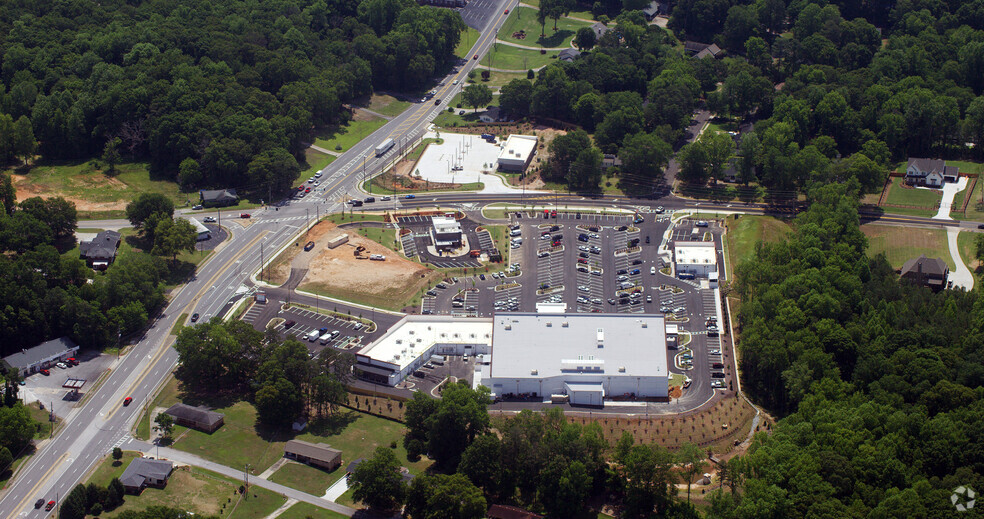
(261, 261)
(246, 481)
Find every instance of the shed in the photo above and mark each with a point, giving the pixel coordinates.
(316, 454)
(196, 417)
(144, 472)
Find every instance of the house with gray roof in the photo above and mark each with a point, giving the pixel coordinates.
(196, 417)
(100, 252)
(145, 472)
(701, 50)
(568, 55)
(218, 197)
(42, 356)
(926, 272)
(654, 9)
(929, 172)
(316, 454)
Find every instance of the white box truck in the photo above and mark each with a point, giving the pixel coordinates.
(313, 336)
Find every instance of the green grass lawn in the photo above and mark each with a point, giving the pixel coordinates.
(196, 490)
(166, 397)
(107, 469)
(349, 135)
(446, 119)
(514, 58)
(499, 79)
(387, 105)
(309, 511)
(524, 19)
(314, 161)
(385, 237)
(358, 217)
(901, 244)
(468, 38)
(967, 245)
(302, 477)
(458, 104)
(924, 198)
(748, 230)
(241, 440)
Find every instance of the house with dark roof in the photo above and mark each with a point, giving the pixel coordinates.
(609, 161)
(701, 50)
(218, 197)
(316, 454)
(145, 472)
(929, 172)
(510, 512)
(44, 355)
(568, 55)
(600, 30)
(654, 9)
(196, 417)
(926, 272)
(492, 114)
(100, 252)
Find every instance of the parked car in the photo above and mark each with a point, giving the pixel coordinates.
(289, 323)
(45, 372)
(62, 365)
(197, 208)
(308, 246)
(209, 219)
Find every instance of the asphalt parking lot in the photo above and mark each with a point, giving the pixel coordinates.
(415, 243)
(431, 374)
(48, 389)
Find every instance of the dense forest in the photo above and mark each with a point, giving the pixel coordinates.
(835, 90)
(219, 93)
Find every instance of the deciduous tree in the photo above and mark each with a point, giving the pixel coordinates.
(377, 481)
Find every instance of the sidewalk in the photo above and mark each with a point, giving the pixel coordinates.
(289, 493)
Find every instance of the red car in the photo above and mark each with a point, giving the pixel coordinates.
(126, 401)
(49, 506)
(507, 11)
(45, 372)
(308, 190)
(300, 188)
(475, 56)
(244, 215)
(73, 361)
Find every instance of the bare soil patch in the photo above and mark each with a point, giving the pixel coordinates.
(28, 189)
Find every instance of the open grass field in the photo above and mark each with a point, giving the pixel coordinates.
(975, 209)
(446, 119)
(95, 193)
(967, 245)
(166, 397)
(309, 511)
(350, 134)
(924, 198)
(524, 19)
(458, 104)
(499, 79)
(387, 105)
(108, 468)
(747, 231)
(302, 477)
(195, 490)
(468, 38)
(385, 185)
(356, 217)
(901, 244)
(514, 58)
(314, 161)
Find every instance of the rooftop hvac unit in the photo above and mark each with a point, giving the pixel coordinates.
(621, 369)
(645, 325)
(509, 327)
(399, 341)
(566, 324)
(549, 324)
(533, 372)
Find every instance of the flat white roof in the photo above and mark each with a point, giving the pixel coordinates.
(199, 228)
(445, 224)
(695, 253)
(415, 334)
(518, 148)
(529, 345)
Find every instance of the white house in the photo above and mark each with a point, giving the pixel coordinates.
(929, 172)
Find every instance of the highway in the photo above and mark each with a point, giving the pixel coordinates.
(102, 422)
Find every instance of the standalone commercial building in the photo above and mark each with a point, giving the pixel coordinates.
(202, 233)
(517, 152)
(101, 251)
(411, 342)
(218, 197)
(316, 454)
(587, 357)
(42, 356)
(144, 472)
(696, 258)
(445, 233)
(196, 417)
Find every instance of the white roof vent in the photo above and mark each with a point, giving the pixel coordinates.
(533, 372)
(549, 324)
(566, 324)
(508, 327)
(645, 324)
(621, 369)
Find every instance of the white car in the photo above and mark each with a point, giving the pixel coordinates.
(455, 82)
(385, 198)
(652, 270)
(62, 365)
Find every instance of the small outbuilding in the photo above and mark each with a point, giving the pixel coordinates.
(145, 472)
(316, 454)
(199, 418)
(42, 356)
(653, 10)
(202, 233)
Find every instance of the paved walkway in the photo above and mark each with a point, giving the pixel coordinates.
(950, 190)
(506, 70)
(961, 276)
(282, 509)
(289, 493)
(511, 44)
(323, 150)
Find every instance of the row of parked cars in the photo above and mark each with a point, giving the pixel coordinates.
(67, 363)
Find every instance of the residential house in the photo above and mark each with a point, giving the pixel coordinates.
(701, 50)
(218, 197)
(929, 172)
(510, 512)
(568, 55)
(492, 114)
(316, 454)
(101, 251)
(609, 161)
(196, 417)
(600, 30)
(145, 472)
(927, 272)
(654, 9)
(42, 356)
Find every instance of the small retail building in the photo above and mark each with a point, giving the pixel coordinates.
(42, 356)
(587, 357)
(218, 197)
(445, 233)
(517, 152)
(196, 417)
(100, 252)
(316, 454)
(202, 233)
(410, 343)
(696, 258)
(145, 472)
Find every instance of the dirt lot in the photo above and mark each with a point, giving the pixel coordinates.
(26, 189)
(337, 273)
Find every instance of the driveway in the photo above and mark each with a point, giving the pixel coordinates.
(949, 191)
(961, 275)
